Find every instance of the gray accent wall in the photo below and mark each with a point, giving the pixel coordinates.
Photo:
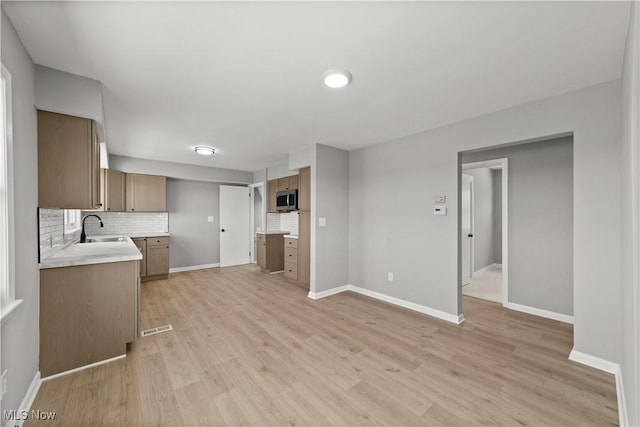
(193, 241)
(540, 222)
(630, 220)
(330, 200)
(392, 227)
(482, 217)
(497, 215)
(19, 353)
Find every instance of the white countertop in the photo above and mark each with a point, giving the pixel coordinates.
(138, 235)
(291, 236)
(272, 232)
(93, 253)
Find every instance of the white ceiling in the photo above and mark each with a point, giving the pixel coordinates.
(245, 77)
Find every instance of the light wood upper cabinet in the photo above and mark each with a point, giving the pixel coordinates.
(146, 193)
(114, 191)
(304, 190)
(293, 182)
(68, 162)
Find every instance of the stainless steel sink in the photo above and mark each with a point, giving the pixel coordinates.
(105, 239)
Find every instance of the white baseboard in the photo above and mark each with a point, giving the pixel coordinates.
(27, 401)
(611, 368)
(193, 267)
(540, 312)
(457, 319)
(82, 368)
(488, 267)
(327, 293)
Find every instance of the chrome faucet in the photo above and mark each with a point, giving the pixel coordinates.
(83, 237)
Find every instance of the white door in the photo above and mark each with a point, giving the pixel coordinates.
(466, 234)
(235, 207)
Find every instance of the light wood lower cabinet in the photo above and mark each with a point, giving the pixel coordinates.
(291, 258)
(87, 314)
(304, 246)
(155, 257)
(270, 252)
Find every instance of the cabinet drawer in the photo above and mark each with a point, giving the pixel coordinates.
(290, 243)
(291, 255)
(157, 241)
(290, 271)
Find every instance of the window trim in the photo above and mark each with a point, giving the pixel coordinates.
(8, 302)
(70, 227)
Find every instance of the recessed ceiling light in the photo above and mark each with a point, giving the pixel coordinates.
(204, 150)
(336, 78)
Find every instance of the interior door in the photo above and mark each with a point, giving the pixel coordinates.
(235, 224)
(466, 235)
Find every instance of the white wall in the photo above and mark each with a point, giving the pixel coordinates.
(179, 170)
(629, 220)
(329, 200)
(20, 332)
(482, 217)
(391, 227)
(540, 222)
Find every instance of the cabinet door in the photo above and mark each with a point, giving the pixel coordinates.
(283, 184)
(304, 245)
(68, 162)
(304, 190)
(142, 247)
(293, 182)
(114, 191)
(273, 189)
(157, 260)
(262, 252)
(146, 193)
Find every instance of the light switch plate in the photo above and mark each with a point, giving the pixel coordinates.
(209, 219)
(322, 222)
(439, 199)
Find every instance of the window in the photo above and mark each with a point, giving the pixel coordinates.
(7, 274)
(72, 220)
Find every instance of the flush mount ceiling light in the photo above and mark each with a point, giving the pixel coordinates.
(205, 150)
(336, 78)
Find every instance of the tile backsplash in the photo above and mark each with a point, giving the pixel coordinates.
(52, 237)
(128, 223)
(283, 222)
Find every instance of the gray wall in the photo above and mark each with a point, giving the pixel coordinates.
(20, 331)
(483, 234)
(630, 220)
(179, 170)
(497, 215)
(540, 222)
(330, 200)
(408, 172)
(194, 241)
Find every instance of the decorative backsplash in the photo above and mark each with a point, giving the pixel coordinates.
(283, 222)
(127, 223)
(52, 237)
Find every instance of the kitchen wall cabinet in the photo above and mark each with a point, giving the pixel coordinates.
(114, 191)
(270, 254)
(155, 257)
(146, 193)
(68, 162)
(88, 313)
(280, 184)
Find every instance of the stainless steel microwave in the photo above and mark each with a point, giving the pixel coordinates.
(287, 200)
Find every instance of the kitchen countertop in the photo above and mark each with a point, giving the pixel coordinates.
(291, 236)
(93, 253)
(272, 232)
(138, 235)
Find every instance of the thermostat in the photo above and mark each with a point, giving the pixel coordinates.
(439, 210)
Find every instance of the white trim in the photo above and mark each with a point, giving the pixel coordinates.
(623, 416)
(594, 362)
(457, 319)
(27, 401)
(193, 267)
(8, 310)
(540, 312)
(252, 219)
(328, 293)
(82, 368)
(488, 267)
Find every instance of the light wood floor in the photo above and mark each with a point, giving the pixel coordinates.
(251, 349)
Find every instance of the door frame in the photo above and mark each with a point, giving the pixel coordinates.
(504, 165)
(252, 218)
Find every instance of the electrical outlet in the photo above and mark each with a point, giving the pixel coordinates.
(5, 381)
(390, 276)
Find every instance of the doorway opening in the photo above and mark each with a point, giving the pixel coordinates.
(484, 230)
(257, 216)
